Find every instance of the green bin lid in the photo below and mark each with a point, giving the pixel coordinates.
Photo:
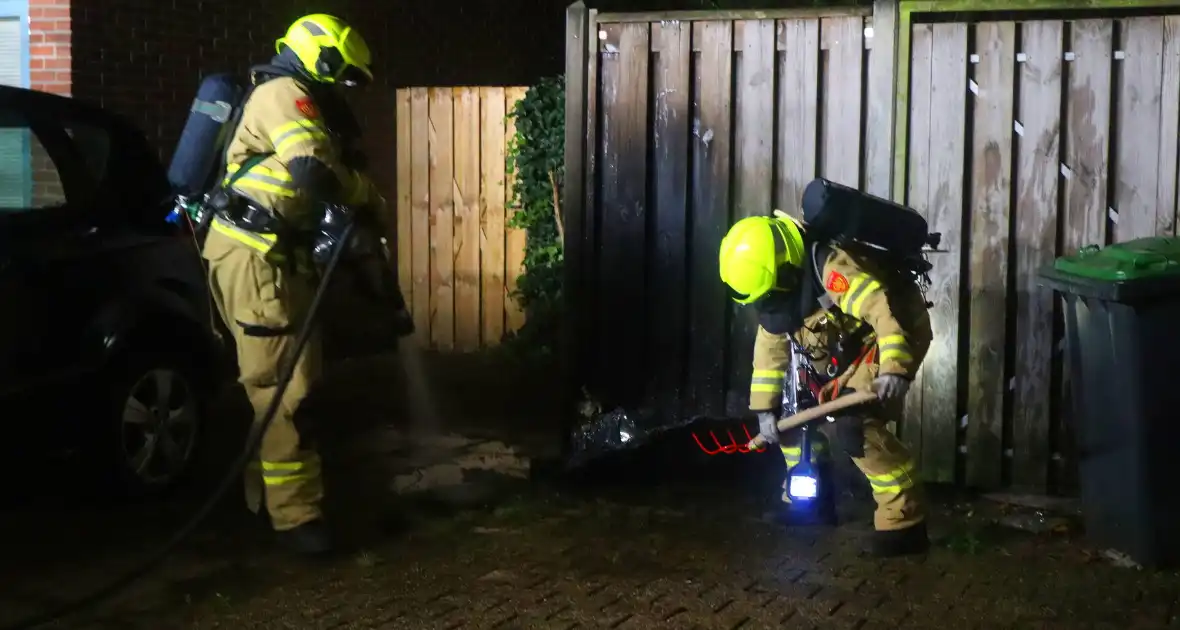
(1140, 259)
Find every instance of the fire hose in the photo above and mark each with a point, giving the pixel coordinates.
(232, 477)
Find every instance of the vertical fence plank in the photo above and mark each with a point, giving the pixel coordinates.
(1087, 140)
(466, 197)
(940, 370)
(753, 176)
(1087, 145)
(667, 304)
(405, 210)
(514, 238)
(1036, 241)
(624, 132)
(591, 329)
(420, 207)
(991, 194)
(442, 220)
(918, 196)
(1139, 93)
(798, 118)
(879, 117)
(624, 192)
(491, 213)
(843, 74)
(1165, 203)
(710, 204)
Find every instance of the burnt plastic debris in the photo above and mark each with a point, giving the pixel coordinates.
(623, 431)
(608, 433)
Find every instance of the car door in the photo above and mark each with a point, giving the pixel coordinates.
(40, 223)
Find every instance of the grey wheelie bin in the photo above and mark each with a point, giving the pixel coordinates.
(1122, 334)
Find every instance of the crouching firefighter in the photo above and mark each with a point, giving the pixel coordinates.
(292, 174)
(846, 285)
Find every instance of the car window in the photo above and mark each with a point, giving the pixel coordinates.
(28, 177)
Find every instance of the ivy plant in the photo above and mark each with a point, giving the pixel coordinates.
(536, 156)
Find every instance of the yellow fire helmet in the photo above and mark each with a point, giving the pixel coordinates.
(752, 252)
(330, 50)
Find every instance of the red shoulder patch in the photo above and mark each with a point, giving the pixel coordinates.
(836, 283)
(307, 107)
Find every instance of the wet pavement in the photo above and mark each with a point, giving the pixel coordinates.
(657, 547)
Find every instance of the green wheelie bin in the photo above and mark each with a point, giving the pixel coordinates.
(1122, 334)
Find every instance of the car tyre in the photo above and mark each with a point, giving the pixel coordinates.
(156, 409)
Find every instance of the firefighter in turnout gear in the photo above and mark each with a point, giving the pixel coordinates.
(864, 326)
(291, 152)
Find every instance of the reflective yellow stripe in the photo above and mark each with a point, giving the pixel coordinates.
(281, 175)
(278, 473)
(767, 381)
(894, 348)
(895, 481)
(261, 242)
(861, 287)
(284, 137)
(261, 182)
(269, 180)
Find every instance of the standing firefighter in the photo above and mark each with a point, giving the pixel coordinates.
(862, 321)
(291, 153)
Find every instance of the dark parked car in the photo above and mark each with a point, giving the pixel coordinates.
(106, 327)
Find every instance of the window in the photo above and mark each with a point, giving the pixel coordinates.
(28, 177)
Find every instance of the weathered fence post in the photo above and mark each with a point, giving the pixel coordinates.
(882, 79)
(577, 35)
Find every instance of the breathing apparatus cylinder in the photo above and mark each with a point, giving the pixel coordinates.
(844, 215)
(202, 140)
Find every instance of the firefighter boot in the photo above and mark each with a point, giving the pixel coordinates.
(309, 539)
(910, 541)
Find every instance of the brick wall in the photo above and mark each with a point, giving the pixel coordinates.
(49, 71)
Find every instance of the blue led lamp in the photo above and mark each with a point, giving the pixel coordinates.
(812, 500)
(803, 479)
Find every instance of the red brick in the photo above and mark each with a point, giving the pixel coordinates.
(42, 50)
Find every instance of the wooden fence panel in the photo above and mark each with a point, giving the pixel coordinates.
(457, 261)
(1037, 174)
(991, 192)
(743, 114)
(742, 110)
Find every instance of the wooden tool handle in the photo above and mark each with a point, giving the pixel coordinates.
(819, 411)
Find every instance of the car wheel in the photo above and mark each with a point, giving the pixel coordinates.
(157, 421)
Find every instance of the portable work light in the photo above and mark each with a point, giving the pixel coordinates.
(803, 480)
